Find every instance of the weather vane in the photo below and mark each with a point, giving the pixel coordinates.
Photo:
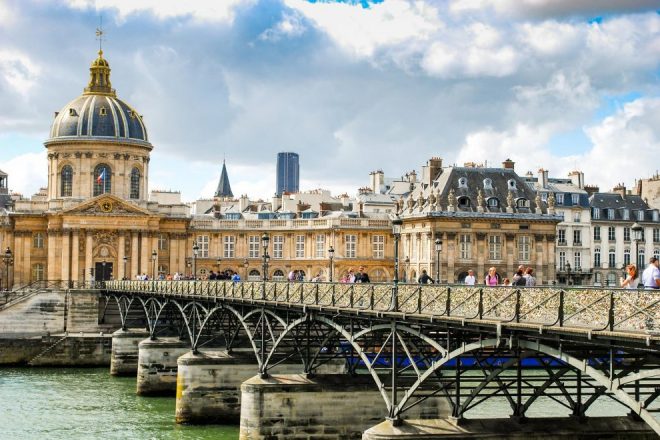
(100, 33)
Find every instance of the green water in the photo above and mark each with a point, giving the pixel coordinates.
(71, 404)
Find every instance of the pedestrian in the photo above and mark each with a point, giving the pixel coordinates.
(362, 276)
(530, 281)
(630, 281)
(506, 282)
(651, 275)
(470, 280)
(350, 278)
(492, 277)
(425, 278)
(293, 275)
(518, 278)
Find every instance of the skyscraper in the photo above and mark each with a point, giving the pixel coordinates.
(288, 173)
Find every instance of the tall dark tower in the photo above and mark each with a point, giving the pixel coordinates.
(224, 189)
(288, 173)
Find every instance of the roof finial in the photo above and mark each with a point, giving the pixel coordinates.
(99, 34)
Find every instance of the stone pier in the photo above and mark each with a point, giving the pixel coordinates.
(157, 366)
(124, 358)
(614, 428)
(209, 384)
(333, 406)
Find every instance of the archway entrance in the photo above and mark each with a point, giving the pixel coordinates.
(103, 271)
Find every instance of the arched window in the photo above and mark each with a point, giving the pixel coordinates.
(462, 182)
(463, 202)
(512, 184)
(522, 203)
(488, 184)
(278, 275)
(102, 179)
(66, 181)
(135, 184)
(254, 275)
(626, 257)
(640, 259)
(597, 257)
(493, 202)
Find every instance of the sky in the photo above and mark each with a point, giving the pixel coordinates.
(351, 86)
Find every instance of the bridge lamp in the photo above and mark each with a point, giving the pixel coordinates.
(568, 272)
(264, 244)
(7, 257)
(406, 267)
(331, 254)
(438, 250)
(637, 231)
(154, 257)
(195, 250)
(246, 263)
(125, 261)
(396, 231)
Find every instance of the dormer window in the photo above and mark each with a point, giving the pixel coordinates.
(72, 112)
(575, 198)
(103, 111)
(544, 197)
(488, 184)
(522, 203)
(512, 184)
(493, 202)
(131, 114)
(610, 214)
(462, 182)
(560, 198)
(626, 214)
(640, 215)
(463, 202)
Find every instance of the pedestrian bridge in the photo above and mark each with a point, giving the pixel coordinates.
(466, 344)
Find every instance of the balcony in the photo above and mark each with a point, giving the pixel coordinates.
(562, 243)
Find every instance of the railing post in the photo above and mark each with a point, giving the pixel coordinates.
(611, 313)
(448, 303)
(350, 297)
(419, 299)
(481, 303)
(371, 297)
(561, 308)
(316, 294)
(333, 294)
(517, 305)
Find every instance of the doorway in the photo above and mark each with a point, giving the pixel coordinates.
(103, 271)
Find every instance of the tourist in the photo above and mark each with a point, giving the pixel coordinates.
(425, 278)
(362, 276)
(630, 281)
(506, 282)
(351, 276)
(293, 276)
(492, 277)
(470, 280)
(530, 281)
(236, 277)
(651, 275)
(519, 278)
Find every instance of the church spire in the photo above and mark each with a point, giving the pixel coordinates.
(224, 189)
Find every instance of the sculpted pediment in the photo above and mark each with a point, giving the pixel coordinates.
(106, 204)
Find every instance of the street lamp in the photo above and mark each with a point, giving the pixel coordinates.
(125, 261)
(195, 250)
(637, 230)
(154, 257)
(7, 257)
(331, 254)
(568, 272)
(396, 231)
(438, 249)
(264, 243)
(406, 268)
(246, 263)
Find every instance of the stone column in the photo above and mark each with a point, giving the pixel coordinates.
(145, 253)
(53, 245)
(66, 255)
(482, 255)
(89, 245)
(157, 366)
(121, 245)
(135, 256)
(124, 357)
(510, 252)
(451, 256)
(75, 256)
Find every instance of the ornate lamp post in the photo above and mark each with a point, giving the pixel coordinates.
(264, 244)
(7, 257)
(637, 230)
(246, 264)
(568, 274)
(438, 250)
(406, 267)
(396, 231)
(218, 261)
(195, 250)
(154, 257)
(125, 261)
(331, 254)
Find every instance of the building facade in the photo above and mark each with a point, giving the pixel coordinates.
(288, 173)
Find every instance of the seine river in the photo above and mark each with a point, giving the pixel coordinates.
(71, 404)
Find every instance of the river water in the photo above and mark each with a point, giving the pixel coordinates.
(72, 404)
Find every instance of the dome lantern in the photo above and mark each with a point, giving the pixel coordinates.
(99, 77)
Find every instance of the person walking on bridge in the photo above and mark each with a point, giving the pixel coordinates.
(651, 275)
(425, 278)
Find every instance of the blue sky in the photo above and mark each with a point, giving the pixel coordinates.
(352, 86)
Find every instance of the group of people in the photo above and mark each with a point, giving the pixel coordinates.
(355, 277)
(523, 277)
(650, 277)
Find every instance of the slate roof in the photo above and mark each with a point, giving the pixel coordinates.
(224, 188)
(603, 202)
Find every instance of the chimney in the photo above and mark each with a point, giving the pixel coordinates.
(577, 177)
(431, 170)
(508, 164)
(543, 178)
(276, 203)
(377, 180)
(620, 189)
(591, 189)
(413, 176)
(243, 202)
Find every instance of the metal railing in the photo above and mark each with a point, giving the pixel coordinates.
(580, 307)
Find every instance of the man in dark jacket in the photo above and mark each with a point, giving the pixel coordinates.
(425, 278)
(362, 276)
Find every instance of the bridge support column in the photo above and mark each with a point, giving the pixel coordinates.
(332, 406)
(124, 358)
(157, 366)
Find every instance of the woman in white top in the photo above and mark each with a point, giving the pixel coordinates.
(631, 281)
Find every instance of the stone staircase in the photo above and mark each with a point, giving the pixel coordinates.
(48, 349)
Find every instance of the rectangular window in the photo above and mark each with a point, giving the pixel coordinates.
(524, 247)
(626, 257)
(254, 242)
(495, 247)
(560, 198)
(229, 246)
(577, 217)
(610, 214)
(278, 246)
(640, 215)
(38, 240)
(612, 258)
(656, 235)
(163, 242)
(626, 234)
(595, 213)
(610, 233)
(575, 198)
(465, 246)
(300, 246)
(351, 246)
(561, 236)
(378, 246)
(597, 258)
(320, 246)
(596, 232)
(577, 260)
(544, 197)
(577, 238)
(626, 214)
(203, 244)
(562, 260)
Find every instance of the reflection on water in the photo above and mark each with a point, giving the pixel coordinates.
(68, 403)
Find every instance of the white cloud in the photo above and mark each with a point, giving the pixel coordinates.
(18, 70)
(551, 8)
(27, 172)
(290, 26)
(552, 38)
(363, 31)
(198, 10)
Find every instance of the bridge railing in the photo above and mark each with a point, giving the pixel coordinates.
(583, 307)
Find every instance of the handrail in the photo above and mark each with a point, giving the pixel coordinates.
(582, 307)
